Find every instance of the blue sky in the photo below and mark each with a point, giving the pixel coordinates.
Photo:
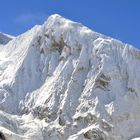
(116, 18)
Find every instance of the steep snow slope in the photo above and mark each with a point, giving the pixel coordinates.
(62, 81)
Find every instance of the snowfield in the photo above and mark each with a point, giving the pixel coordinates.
(63, 81)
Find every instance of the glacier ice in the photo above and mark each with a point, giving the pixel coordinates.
(63, 81)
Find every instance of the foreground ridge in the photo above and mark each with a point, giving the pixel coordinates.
(62, 81)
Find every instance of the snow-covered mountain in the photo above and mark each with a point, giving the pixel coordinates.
(4, 38)
(62, 81)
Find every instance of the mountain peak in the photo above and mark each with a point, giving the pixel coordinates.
(69, 83)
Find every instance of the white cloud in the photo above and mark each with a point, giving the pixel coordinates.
(31, 18)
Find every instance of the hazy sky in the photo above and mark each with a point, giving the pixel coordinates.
(116, 18)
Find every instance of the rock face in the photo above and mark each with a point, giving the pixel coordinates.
(62, 81)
